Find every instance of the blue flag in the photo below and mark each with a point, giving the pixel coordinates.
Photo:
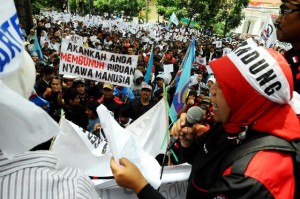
(182, 88)
(173, 19)
(37, 48)
(177, 77)
(149, 67)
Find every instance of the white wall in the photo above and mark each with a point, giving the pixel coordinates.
(254, 20)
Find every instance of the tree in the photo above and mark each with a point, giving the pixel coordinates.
(202, 10)
(232, 14)
(57, 4)
(128, 7)
(24, 11)
(206, 12)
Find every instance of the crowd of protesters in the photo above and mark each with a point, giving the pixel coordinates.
(77, 98)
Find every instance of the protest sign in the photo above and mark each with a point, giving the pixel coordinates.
(89, 63)
(218, 44)
(78, 148)
(168, 68)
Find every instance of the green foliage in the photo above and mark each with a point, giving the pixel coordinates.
(206, 12)
(219, 28)
(57, 4)
(129, 7)
(200, 10)
(161, 10)
(231, 14)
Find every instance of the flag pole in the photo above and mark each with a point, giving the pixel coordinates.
(167, 120)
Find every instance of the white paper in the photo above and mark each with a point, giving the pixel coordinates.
(124, 144)
(168, 68)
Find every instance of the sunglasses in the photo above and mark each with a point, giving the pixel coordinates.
(283, 11)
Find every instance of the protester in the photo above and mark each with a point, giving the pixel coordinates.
(138, 79)
(72, 109)
(142, 104)
(90, 111)
(81, 87)
(287, 25)
(110, 101)
(124, 116)
(55, 96)
(42, 86)
(244, 105)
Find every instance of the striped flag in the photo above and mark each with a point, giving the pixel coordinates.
(149, 68)
(182, 88)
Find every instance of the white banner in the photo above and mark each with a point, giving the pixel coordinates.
(11, 40)
(174, 190)
(74, 150)
(89, 63)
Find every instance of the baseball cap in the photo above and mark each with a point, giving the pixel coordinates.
(160, 76)
(109, 86)
(146, 86)
(68, 77)
(79, 81)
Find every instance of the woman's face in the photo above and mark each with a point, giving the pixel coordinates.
(221, 109)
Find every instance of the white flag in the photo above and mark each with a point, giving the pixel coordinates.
(23, 125)
(268, 34)
(150, 129)
(174, 19)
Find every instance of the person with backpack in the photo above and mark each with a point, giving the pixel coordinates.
(255, 151)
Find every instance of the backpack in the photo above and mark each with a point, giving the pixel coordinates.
(240, 157)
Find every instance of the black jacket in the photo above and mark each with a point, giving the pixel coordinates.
(293, 58)
(210, 178)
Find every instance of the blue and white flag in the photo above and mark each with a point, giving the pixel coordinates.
(182, 88)
(149, 67)
(173, 19)
(37, 48)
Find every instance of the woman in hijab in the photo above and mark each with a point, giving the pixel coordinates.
(251, 99)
